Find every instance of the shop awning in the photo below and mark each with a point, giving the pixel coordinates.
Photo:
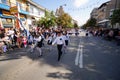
(103, 21)
(6, 16)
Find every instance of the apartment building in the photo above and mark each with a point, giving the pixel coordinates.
(35, 12)
(104, 11)
(102, 14)
(26, 11)
(94, 13)
(115, 4)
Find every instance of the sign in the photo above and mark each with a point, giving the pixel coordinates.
(7, 23)
(13, 10)
(22, 16)
(7, 13)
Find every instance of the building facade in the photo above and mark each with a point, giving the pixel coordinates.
(27, 12)
(104, 11)
(59, 11)
(94, 13)
(115, 4)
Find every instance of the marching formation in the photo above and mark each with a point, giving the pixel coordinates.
(35, 40)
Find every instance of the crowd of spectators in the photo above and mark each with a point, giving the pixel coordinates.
(107, 34)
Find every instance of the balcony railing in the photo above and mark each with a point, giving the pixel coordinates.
(25, 9)
(8, 3)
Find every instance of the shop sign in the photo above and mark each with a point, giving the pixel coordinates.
(14, 10)
(22, 16)
(7, 13)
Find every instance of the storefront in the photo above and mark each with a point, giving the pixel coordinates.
(104, 23)
(7, 20)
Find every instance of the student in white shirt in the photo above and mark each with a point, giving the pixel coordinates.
(38, 40)
(60, 43)
(67, 40)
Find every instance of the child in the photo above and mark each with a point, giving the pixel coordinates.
(50, 40)
(24, 41)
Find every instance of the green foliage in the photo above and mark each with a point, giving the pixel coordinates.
(75, 25)
(64, 20)
(115, 18)
(48, 21)
(90, 23)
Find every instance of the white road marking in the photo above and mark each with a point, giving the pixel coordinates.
(79, 56)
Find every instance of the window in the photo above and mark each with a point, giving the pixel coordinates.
(7, 22)
(39, 12)
(31, 9)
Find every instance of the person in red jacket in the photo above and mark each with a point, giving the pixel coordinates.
(24, 41)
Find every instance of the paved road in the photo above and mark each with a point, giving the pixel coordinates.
(99, 60)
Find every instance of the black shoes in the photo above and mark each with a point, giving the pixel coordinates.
(40, 55)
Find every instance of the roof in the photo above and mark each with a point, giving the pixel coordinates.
(104, 4)
(37, 5)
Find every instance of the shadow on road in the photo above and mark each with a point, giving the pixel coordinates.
(96, 55)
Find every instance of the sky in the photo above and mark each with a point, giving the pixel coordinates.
(78, 9)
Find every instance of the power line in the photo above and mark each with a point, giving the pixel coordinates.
(86, 7)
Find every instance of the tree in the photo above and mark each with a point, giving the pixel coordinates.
(48, 21)
(90, 23)
(115, 18)
(75, 25)
(64, 20)
(52, 20)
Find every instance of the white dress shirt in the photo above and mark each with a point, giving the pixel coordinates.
(59, 40)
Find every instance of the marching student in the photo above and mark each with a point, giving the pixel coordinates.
(60, 43)
(49, 41)
(67, 40)
(38, 39)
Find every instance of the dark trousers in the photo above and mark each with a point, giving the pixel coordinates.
(66, 42)
(59, 47)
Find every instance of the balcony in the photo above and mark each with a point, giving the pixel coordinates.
(22, 9)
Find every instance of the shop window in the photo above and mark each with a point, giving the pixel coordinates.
(7, 22)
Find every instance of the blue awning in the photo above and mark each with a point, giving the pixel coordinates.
(24, 12)
(2, 16)
(4, 6)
